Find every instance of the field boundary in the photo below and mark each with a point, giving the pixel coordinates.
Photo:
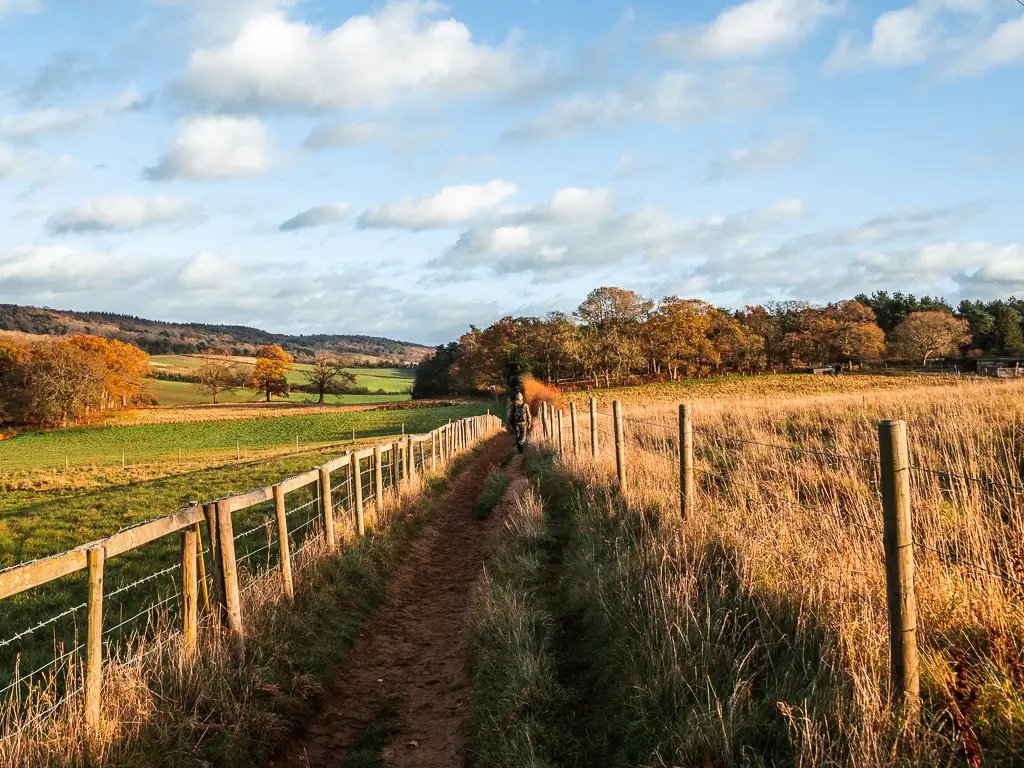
(340, 488)
(596, 433)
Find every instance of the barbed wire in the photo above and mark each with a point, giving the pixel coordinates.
(68, 695)
(261, 527)
(314, 500)
(142, 613)
(42, 624)
(980, 481)
(969, 563)
(143, 580)
(33, 673)
(793, 448)
(789, 500)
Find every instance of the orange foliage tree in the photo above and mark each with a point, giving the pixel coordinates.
(271, 373)
(126, 367)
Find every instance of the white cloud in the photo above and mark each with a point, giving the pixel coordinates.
(26, 126)
(674, 98)
(1005, 46)
(918, 32)
(212, 271)
(579, 230)
(760, 158)
(215, 147)
(316, 217)
(342, 135)
(452, 205)
(113, 212)
(44, 271)
(631, 166)
(404, 49)
(751, 30)
(10, 162)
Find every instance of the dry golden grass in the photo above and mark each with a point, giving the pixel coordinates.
(801, 535)
(756, 387)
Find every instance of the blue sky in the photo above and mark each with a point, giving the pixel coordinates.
(407, 168)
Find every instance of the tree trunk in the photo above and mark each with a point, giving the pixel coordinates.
(321, 395)
(268, 391)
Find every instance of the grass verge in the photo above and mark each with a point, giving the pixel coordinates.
(494, 489)
(517, 697)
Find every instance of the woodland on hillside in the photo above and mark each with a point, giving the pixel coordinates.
(616, 333)
(161, 338)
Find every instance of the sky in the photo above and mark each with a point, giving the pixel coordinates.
(407, 168)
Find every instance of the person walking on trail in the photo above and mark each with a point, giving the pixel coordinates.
(519, 419)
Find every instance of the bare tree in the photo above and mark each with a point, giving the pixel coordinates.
(326, 373)
(216, 377)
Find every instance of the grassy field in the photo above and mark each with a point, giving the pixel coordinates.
(754, 387)
(106, 446)
(754, 633)
(393, 381)
(184, 393)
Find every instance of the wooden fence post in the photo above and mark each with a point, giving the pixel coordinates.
(216, 566)
(560, 447)
(620, 446)
(232, 597)
(410, 460)
(327, 508)
(394, 467)
(899, 560)
(94, 648)
(378, 478)
(423, 461)
(544, 420)
(358, 481)
(204, 587)
(433, 451)
(572, 425)
(283, 545)
(189, 591)
(685, 460)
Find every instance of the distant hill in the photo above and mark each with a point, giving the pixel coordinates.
(160, 338)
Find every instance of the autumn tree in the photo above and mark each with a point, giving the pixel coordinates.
(614, 319)
(63, 382)
(126, 368)
(216, 376)
(270, 375)
(326, 373)
(680, 335)
(927, 334)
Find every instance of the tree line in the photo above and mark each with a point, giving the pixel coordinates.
(57, 382)
(616, 333)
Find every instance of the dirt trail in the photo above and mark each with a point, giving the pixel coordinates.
(412, 657)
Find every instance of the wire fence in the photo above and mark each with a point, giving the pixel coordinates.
(43, 660)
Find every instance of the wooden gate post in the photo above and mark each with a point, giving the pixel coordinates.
(284, 547)
(620, 446)
(189, 591)
(572, 425)
(378, 478)
(95, 558)
(327, 508)
(593, 427)
(220, 605)
(358, 481)
(232, 597)
(685, 460)
(899, 561)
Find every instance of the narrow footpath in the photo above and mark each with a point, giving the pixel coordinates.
(410, 666)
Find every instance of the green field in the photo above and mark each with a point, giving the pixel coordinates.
(185, 393)
(105, 446)
(395, 381)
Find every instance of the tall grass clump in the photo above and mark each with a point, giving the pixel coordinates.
(517, 696)
(755, 631)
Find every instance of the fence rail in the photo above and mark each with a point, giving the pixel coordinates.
(206, 577)
(891, 468)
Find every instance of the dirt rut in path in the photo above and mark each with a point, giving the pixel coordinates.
(411, 660)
